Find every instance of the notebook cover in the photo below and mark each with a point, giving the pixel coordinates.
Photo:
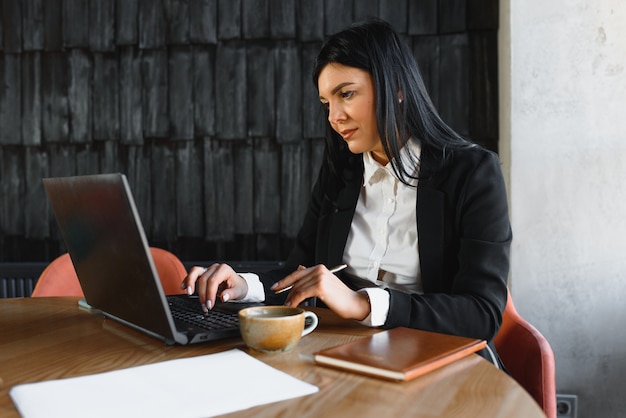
(400, 353)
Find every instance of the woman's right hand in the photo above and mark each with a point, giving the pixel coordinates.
(319, 282)
(217, 280)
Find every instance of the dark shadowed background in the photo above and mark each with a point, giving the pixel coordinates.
(206, 105)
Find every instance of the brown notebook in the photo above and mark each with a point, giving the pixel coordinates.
(400, 353)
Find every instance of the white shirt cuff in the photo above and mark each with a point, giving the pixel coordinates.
(379, 306)
(256, 293)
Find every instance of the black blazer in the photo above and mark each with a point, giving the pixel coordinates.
(464, 237)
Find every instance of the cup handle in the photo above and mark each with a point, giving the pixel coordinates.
(312, 325)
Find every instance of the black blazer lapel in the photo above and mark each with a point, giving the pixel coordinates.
(430, 214)
(340, 220)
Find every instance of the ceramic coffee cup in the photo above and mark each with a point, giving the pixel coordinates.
(274, 328)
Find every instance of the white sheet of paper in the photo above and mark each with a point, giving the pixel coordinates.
(192, 387)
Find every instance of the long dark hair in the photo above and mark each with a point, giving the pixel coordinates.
(375, 47)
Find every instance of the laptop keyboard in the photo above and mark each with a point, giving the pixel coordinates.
(188, 311)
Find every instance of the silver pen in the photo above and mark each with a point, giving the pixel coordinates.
(335, 269)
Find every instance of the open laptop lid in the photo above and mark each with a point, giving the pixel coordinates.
(106, 241)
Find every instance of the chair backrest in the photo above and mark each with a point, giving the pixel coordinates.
(527, 355)
(59, 277)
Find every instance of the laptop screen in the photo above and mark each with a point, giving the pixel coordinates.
(106, 241)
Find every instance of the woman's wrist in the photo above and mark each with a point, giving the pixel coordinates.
(362, 306)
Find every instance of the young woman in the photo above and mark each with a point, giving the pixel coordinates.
(418, 213)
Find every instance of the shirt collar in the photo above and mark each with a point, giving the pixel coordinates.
(408, 154)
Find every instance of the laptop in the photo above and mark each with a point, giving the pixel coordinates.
(106, 241)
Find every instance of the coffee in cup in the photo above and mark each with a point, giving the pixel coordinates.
(274, 328)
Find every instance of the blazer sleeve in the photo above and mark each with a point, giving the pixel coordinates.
(468, 251)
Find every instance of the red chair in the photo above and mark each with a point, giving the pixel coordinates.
(527, 355)
(59, 277)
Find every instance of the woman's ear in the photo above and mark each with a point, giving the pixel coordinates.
(400, 96)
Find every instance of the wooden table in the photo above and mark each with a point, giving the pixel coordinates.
(51, 338)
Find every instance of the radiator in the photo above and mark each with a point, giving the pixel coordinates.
(17, 280)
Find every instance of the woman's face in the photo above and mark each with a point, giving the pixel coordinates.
(348, 94)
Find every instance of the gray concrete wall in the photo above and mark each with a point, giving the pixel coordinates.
(563, 139)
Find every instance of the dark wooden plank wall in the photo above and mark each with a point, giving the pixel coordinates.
(206, 105)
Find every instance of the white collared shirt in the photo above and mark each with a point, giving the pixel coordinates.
(382, 245)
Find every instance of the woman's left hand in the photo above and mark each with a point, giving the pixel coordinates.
(318, 281)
